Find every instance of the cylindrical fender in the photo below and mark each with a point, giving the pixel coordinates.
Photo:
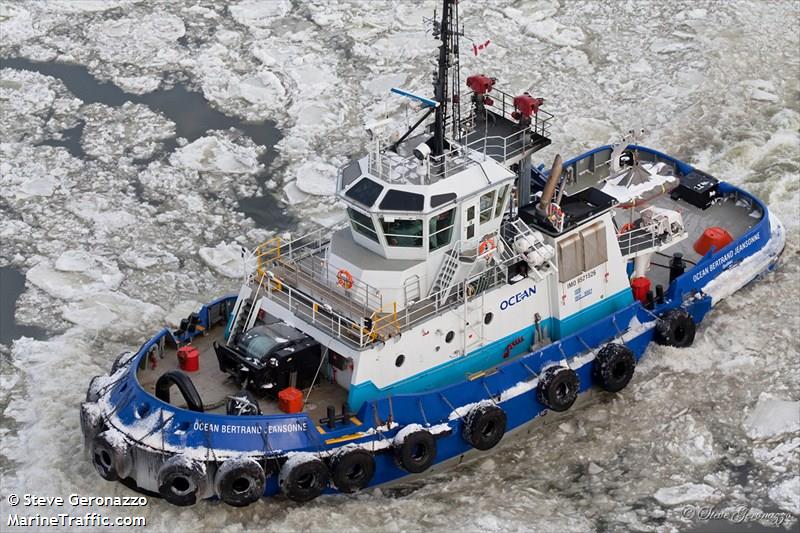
(122, 360)
(240, 481)
(95, 386)
(415, 452)
(91, 423)
(613, 367)
(181, 480)
(484, 426)
(111, 456)
(185, 386)
(558, 388)
(675, 328)
(303, 477)
(352, 469)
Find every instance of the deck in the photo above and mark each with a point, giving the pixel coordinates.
(215, 386)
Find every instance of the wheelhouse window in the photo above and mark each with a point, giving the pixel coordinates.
(501, 200)
(403, 232)
(362, 224)
(487, 206)
(440, 229)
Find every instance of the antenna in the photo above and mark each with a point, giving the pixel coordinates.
(447, 32)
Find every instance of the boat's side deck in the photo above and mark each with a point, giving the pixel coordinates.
(734, 215)
(215, 386)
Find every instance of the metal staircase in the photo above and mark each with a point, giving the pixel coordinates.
(445, 277)
(247, 313)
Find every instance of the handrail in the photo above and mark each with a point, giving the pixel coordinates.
(296, 274)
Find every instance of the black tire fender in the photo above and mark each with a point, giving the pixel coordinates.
(185, 386)
(613, 367)
(95, 387)
(240, 481)
(675, 328)
(415, 452)
(558, 388)
(91, 423)
(352, 469)
(122, 360)
(111, 455)
(484, 426)
(303, 477)
(181, 480)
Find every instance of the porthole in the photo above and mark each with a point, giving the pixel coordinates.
(449, 336)
(400, 360)
(488, 318)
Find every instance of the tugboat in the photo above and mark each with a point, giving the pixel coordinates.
(470, 295)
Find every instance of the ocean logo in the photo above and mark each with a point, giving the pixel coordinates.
(514, 300)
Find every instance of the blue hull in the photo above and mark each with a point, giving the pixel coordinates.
(511, 385)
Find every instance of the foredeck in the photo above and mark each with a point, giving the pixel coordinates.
(214, 387)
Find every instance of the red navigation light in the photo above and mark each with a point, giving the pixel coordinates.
(480, 83)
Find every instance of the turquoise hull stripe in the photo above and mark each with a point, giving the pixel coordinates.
(490, 355)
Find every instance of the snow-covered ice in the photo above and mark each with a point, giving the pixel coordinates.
(162, 227)
(772, 417)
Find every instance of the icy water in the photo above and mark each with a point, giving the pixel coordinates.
(124, 213)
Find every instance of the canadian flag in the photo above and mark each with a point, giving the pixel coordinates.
(478, 47)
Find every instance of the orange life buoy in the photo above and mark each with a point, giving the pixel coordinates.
(344, 279)
(625, 228)
(486, 246)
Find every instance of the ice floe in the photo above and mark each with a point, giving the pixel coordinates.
(772, 417)
(687, 493)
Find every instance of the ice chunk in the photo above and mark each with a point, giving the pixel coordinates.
(686, 493)
(75, 274)
(786, 495)
(216, 154)
(259, 14)
(227, 259)
(28, 172)
(114, 312)
(180, 311)
(772, 417)
(131, 130)
(148, 38)
(316, 178)
(556, 33)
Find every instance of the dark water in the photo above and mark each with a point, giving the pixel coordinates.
(12, 283)
(192, 114)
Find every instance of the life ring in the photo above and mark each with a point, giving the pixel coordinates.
(484, 426)
(558, 388)
(613, 367)
(675, 328)
(181, 480)
(240, 481)
(417, 451)
(486, 246)
(344, 279)
(303, 477)
(625, 228)
(352, 469)
(112, 461)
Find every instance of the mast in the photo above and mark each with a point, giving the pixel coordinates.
(447, 31)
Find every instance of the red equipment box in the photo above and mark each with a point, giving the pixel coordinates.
(290, 400)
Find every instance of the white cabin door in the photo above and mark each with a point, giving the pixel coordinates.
(469, 221)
